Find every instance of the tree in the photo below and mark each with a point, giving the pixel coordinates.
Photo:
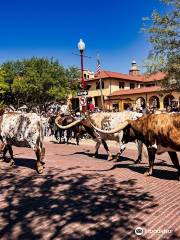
(164, 35)
(36, 81)
(3, 88)
(73, 74)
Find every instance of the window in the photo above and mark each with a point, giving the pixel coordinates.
(98, 85)
(115, 107)
(85, 75)
(121, 85)
(132, 85)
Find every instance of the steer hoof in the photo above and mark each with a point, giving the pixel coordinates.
(12, 163)
(39, 169)
(114, 160)
(110, 158)
(147, 174)
(118, 156)
(137, 161)
(95, 156)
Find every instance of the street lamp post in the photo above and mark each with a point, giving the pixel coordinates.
(81, 47)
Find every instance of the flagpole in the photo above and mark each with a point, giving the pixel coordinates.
(100, 81)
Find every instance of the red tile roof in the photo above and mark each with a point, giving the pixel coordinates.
(136, 91)
(141, 78)
(109, 74)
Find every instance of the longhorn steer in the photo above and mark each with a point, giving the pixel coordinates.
(23, 130)
(160, 133)
(65, 120)
(105, 121)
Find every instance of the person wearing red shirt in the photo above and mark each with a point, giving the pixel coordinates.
(91, 107)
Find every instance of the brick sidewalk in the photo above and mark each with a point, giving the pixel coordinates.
(80, 197)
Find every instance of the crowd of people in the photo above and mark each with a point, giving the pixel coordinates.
(146, 109)
(56, 108)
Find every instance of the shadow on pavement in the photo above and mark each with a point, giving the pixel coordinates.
(158, 173)
(102, 156)
(122, 162)
(63, 143)
(25, 162)
(91, 155)
(66, 205)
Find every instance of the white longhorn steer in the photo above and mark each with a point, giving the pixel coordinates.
(106, 121)
(22, 130)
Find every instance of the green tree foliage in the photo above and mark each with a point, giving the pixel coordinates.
(164, 35)
(3, 88)
(3, 84)
(36, 81)
(73, 75)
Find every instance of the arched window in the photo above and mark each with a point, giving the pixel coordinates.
(140, 102)
(154, 102)
(168, 100)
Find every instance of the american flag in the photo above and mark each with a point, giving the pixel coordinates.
(98, 67)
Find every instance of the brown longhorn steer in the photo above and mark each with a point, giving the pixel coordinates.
(160, 133)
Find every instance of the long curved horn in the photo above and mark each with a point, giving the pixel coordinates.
(115, 130)
(67, 126)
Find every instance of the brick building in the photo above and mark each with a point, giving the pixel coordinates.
(123, 90)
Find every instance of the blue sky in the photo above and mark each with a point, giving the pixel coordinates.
(52, 28)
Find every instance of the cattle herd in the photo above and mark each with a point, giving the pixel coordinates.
(158, 132)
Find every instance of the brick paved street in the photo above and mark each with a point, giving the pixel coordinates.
(80, 197)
